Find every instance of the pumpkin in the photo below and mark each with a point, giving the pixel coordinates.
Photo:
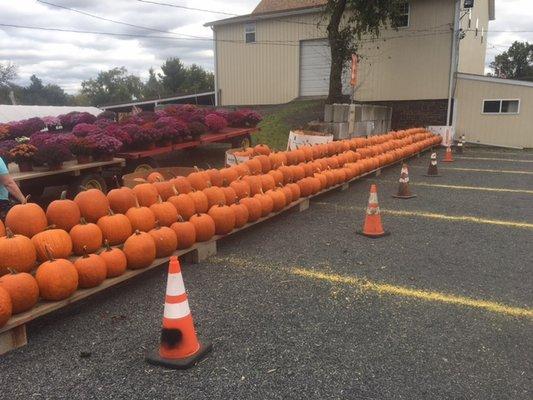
(17, 252)
(306, 187)
(254, 208)
(295, 190)
(323, 180)
(57, 279)
(23, 290)
(115, 260)
(267, 182)
(262, 149)
(215, 196)
(278, 198)
(155, 177)
(287, 174)
(298, 172)
(224, 219)
(242, 188)
(308, 168)
(165, 213)
(6, 307)
(292, 157)
(166, 241)
(63, 213)
(229, 195)
(277, 175)
(228, 175)
(92, 270)
(140, 250)
(121, 199)
(277, 159)
(26, 219)
(242, 170)
(93, 204)
(201, 203)
(182, 185)
(300, 155)
(254, 165)
(267, 204)
(255, 184)
(85, 235)
(204, 227)
(2, 229)
(146, 194)
(215, 177)
(164, 189)
(184, 205)
(185, 233)
(265, 163)
(241, 214)
(55, 241)
(288, 194)
(315, 184)
(141, 218)
(199, 180)
(116, 228)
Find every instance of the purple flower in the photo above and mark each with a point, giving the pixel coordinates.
(118, 132)
(70, 120)
(83, 129)
(26, 127)
(105, 144)
(107, 115)
(215, 122)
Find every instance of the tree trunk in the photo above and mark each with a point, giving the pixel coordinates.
(336, 45)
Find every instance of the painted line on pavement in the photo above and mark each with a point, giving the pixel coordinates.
(497, 171)
(494, 159)
(458, 187)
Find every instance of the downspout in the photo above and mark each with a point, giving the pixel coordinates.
(215, 44)
(454, 60)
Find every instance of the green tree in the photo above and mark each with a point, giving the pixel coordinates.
(176, 78)
(515, 63)
(113, 86)
(348, 22)
(8, 72)
(152, 88)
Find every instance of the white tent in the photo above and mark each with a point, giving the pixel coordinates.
(16, 113)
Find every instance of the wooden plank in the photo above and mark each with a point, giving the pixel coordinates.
(13, 339)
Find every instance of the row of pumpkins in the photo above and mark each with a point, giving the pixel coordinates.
(158, 216)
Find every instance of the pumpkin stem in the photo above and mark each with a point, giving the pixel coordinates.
(137, 232)
(27, 198)
(107, 245)
(115, 179)
(110, 212)
(12, 271)
(50, 227)
(175, 190)
(180, 218)
(9, 233)
(83, 221)
(159, 199)
(85, 252)
(63, 195)
(137, 205)
(49, 253)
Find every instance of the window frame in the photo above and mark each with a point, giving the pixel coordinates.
(246, 33)
(408, 16)
(501, 103)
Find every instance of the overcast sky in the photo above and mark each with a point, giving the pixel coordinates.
(68, 58)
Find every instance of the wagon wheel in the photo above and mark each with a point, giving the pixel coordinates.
(141, 165)
(89, 181)
(241, 142)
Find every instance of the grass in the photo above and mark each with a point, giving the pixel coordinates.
(279, 120)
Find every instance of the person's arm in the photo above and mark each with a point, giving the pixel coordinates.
(12, 187)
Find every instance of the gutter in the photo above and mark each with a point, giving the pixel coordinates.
(265, 16)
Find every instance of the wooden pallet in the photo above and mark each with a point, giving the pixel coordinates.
(13, 334)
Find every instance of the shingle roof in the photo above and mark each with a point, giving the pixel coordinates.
(266, 6)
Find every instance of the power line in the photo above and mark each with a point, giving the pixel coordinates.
(187, 8)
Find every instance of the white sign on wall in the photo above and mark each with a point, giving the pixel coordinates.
(298, 139)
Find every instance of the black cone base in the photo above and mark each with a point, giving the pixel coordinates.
(373, 236)
(397, 196)
(431, 176)
(182, 363)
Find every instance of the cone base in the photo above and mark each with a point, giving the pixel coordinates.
(397, 196)
(180, 363)
(447, 160)
(431, 176)
(373, 236)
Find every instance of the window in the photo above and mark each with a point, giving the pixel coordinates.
(402, 20)
(249, 33)
(501, 106)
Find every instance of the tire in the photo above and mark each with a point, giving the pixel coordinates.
(89, 181)
(141, 164)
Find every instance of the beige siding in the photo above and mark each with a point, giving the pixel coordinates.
(511, 130)
(413, 63)
(471, 50)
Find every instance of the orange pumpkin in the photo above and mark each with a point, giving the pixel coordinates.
(26, 219)
(116, 228)
(155, 177)
(93, 204)
(278, 199)
(254, 208)
(164, 189)
(267, 204)
(288, 194)
(224, 219)
(63, 213)
(166, 241)
(17, 252)
(92, 270)
(295, 190)
(185, 233)
(182, 185)
(241, 214)
(228, 175)
(287, 174)
(121, 199)
(140, 250)
(23, 290)
(215, 196)
(298, 172)
(229, 195)
(6, 307)
(204, 227)
(242, 170)
(241, 187)
(2, 229)
(255, 184)
(165, 213)
(146, 194)
(201, 203)
(184, 205)
(57, 279)
(115, 261)
(262, 149)
(199, 180)
(141, 218)
(265, 163)
(254, 165)
(215, 177)
(267, 182)
(57, 241)
(277, 175)
(86, 235)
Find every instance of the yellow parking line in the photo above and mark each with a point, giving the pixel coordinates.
(383, 288)
(497, 171)
(480, 188)
(494, 159)
(460, 218)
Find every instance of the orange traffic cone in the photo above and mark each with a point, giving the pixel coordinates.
(180, 348)
(433, 170)
(372, 227)
(404, 192)
(448, 157)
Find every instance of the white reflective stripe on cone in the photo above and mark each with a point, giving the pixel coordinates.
(176, 311)
(175, 286)
(373, 199)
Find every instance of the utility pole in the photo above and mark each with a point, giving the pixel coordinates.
(454, 63)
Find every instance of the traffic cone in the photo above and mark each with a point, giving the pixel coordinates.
(404, 192)
(433, 170)
(180, 348)
(372, 227)
(448, 157)
(460, 144)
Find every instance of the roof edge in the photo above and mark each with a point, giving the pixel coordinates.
(266, 15)
(493, 79)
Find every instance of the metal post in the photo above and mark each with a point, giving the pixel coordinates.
(454, 59)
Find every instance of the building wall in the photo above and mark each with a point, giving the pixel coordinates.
(408, 64)
(410, 113)
(471, 50)
(507, 130)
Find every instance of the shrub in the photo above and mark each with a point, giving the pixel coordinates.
(83, 129)
(215, 122)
